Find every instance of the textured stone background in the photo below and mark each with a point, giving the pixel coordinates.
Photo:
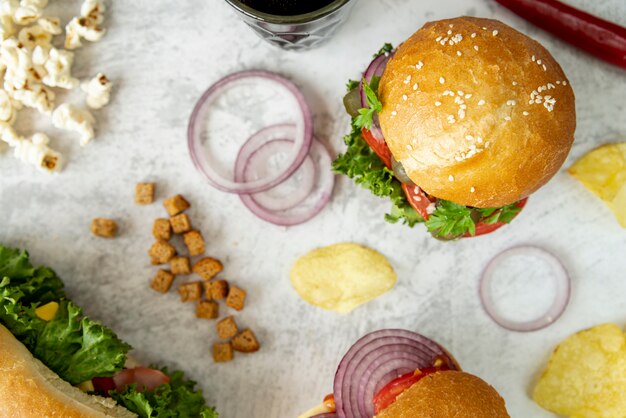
(161, 57)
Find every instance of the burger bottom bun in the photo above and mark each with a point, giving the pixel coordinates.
(448, 394)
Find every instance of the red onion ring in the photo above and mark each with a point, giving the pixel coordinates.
(377, 359)
(376, 68)
(302, 139)
(258, 160)
(561, 300)
(310, 206)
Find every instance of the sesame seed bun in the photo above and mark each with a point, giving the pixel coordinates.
(457, 111)
(447, 394)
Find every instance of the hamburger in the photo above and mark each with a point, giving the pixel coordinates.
(459, 125)
(401, 374)
(57, 362)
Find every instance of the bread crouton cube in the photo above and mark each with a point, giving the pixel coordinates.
(105, 228)
(226, 328)
(144, 193)
(161, 252)
(245, 342)
(222, 352)
(190, 292)
(162, 281)
(236, 298)
(217, 289)
(194, 242)
(180, 223)
(207, 268)
(180, 265)
(175, 204)
(207, 309)
(162, 229)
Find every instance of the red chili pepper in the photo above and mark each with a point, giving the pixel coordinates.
(605, 40)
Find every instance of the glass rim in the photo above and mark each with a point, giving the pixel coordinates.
(280, 19)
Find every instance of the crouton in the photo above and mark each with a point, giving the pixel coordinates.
(226, 328)
(194, 242)
(236, 298)
(207, 309)
(162, 281)
(190, 292)
(245, 342)
(207, 268)
(222, 352)
(217, 289)
(144, 193)
(180, 223)
(161, 252)
(180, 265)
(105, 228)
(175, 204)
(162, 229)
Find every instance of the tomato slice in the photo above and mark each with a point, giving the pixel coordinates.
(380, 147)
(388, 394)
(483, 228)
(417, 199)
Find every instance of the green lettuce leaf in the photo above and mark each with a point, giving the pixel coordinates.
(78, 348)
(176, 399)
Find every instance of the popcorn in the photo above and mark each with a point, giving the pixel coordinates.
(8, 113)
(25, 15)
(34, 151)
(93, 10)
(36, 96)
(71, 118)
(7, 28)
(35, 35)
(52, 25)
(86, 26)
(98, 91)
(58, 66)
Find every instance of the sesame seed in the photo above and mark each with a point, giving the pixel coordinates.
(472, 189)
(558, 82)
(472, 147)
(449, 32)
(479, 140)
(544, 67)
(437, 104)
(460, 93)
(551, 86)
(511, 102)
(484, 28)
(442, 80)
(463, 106)
(533, 58)
(450, 42)
(394, 113)
(525, 113)
(451, 177)
(438, 39)
(451, 119)
(459, 53)
(458, 100)
(467, 96)
(416, 190)
(404, 97)
(507, 118)
(481, 102)
(407, 80)
(487, 144)
(415, 86)
(514, 83)
(531, 101)
(419, 65)
(538, 62)
(564, 83)
(461, 113)
(458, 158)
(409, 147)
(476, 47)
(451, 25)
(474, 35)
(469, 137)
(448, 92)
(494, 33)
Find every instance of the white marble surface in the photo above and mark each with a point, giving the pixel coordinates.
(161, 58)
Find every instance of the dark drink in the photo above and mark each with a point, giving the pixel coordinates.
(286, 7)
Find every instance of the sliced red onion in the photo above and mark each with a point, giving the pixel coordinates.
(305, 209)
(301, 139)
(376, 68)
(260, 163)
(558, 274)
(374, 361)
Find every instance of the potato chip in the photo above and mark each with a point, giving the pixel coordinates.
(586, 376)
(603, 172)
(342, 276)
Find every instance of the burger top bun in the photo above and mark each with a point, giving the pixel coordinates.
(447, 394)
(477, 112)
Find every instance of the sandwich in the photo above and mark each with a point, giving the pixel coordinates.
(400, 374)
(458, 126)
(57, 362)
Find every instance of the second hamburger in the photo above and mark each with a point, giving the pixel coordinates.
(459, 125)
